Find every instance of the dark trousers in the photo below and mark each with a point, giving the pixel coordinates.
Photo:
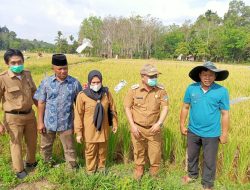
(210, 150)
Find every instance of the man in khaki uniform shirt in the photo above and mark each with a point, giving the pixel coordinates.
(16, 91)
(146, 107)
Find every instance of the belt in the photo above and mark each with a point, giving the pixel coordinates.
(146, 127)
(18, 112)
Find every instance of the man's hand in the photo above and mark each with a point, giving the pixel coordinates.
(155, 128)
(2, 129)
(184, 131)
(183, 117)
(136, 132)
(223, 138)
(114, 129)
(41, 128)
(79, 139)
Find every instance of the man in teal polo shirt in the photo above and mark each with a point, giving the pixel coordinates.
(208, 103)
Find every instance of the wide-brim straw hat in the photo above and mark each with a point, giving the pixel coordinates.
(220, 74)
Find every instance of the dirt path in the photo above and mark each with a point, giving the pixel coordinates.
(39, 185)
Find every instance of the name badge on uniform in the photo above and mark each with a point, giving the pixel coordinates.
(139, 97)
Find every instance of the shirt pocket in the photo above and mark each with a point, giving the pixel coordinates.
(195, 98)
(14, 94)
(139, 103)
(155, 103)
(28, 90)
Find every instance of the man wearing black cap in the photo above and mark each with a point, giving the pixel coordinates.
(56, 95)
(208, 103)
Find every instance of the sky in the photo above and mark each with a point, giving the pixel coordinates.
(42, 19)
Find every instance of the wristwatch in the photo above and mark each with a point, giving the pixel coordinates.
(160, 124)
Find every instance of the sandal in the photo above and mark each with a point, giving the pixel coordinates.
(186, 180)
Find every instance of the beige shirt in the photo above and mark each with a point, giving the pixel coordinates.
(16, 94)
(84, 113)
(146, 105)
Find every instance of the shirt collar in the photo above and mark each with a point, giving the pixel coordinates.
(53, 77)
(210, 87)
(143, 87)
(12, 75)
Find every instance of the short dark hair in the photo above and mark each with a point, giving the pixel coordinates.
(12, 52)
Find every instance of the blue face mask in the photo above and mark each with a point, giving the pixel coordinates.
(152, 82)
(17, 68)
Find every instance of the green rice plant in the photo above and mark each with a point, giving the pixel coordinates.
(233, 157)
(112, 144)
(168, 140)
(126, 142)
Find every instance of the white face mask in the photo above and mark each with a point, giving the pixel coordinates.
(95, 88)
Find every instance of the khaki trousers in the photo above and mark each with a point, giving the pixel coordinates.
(67, 141)
(19, 127)
(95, 155)
(147, 143)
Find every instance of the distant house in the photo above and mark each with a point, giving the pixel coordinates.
(180, 57)
(190, 58)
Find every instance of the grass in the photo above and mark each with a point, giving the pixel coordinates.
(233, 159)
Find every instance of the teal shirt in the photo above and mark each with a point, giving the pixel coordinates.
(205, 109)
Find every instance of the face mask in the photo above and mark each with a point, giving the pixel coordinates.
(95, 88)
(152, 82)
(17, 68)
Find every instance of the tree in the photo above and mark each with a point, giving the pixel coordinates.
(61, 43)
(234, 41)
(73, 46)
(238, 14)
(91, 28)
(8, 39)
(182, 48)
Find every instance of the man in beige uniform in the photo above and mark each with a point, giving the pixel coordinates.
(146, 107)
(16, 91)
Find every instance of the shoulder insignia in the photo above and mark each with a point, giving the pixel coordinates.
(135, 86)
(160, 86)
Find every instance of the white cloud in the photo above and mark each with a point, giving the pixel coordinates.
(19, 20)
(60, 12)
(41, 19)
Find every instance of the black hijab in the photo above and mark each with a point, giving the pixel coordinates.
(97, 96)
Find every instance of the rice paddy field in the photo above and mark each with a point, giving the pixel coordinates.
(233, 165)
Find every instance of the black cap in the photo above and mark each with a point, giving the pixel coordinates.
(59, 60)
